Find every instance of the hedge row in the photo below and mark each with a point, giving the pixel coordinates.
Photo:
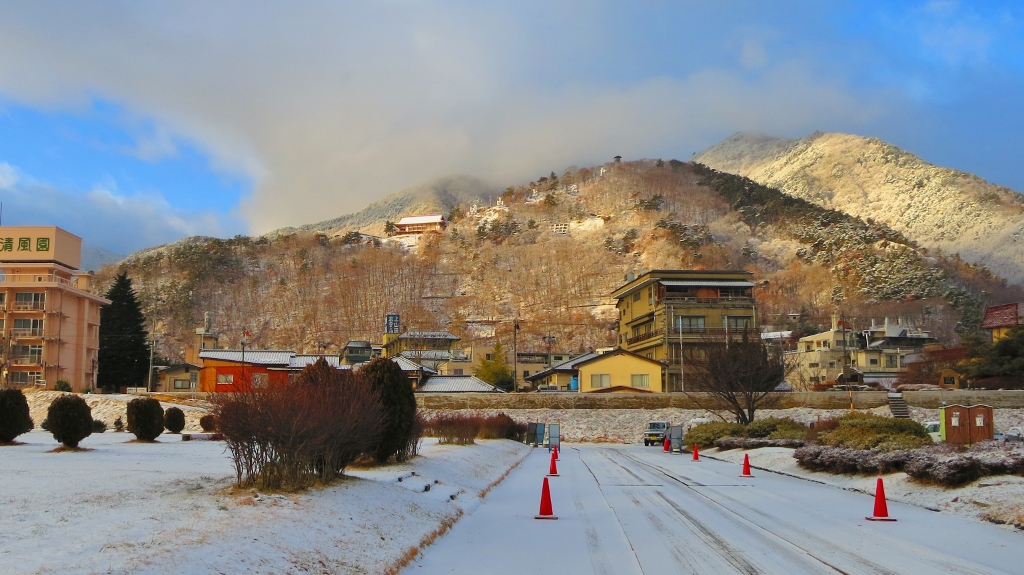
(708, 434)
(940, 464)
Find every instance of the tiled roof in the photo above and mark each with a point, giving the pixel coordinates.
(409, 365)
(302, 360)
(456, 384)
(428, 335)
(254, 356)
(567, 365)
(1003, 315)
(431, 354)
(431, 219)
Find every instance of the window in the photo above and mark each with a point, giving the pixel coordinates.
(650, 295)
(640, 380)
(813, 365)
(650, 355)
(29, 300)
(636, 296)
(22, 378)
(831, 365)
(736, 323)
(457, 371)
(686, 324)
(815, 379)
(225, 379)
(260, 380)
(489, 356)
(873, 361)
(27, 327)
(182, 384)
(526, 374)
(600, 380)
(890, 361)
(949, 381)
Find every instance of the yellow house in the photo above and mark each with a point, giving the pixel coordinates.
(620, 370)
(670, 316)
(1000, 319)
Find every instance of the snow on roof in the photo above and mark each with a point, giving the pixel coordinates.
(429, 219)
(1003, 315)
(456, 384)
(432, 354)
(409, 365)
(704, 283)
(303, 360)
(567, 365)
(429, 335)
(254, 356)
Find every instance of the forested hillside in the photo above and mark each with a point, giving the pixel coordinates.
(551, 254)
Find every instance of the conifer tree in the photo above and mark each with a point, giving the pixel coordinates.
(497, 371)
(124, 350)
(394, 390)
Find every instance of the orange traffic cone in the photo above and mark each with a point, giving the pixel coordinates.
(696, 457)
(545, 503)
(553, 471)
(746, 466)
(881, 509)
(667, 443)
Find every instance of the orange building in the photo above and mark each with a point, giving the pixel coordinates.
(50, 322)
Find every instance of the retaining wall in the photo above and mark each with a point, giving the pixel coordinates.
(816, 400)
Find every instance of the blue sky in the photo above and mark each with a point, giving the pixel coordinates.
(134, 124)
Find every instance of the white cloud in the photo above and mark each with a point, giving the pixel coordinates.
(8, 176)
(329, 107)
(103, 217)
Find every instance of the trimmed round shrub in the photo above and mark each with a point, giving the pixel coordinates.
(705, 434)
(174, 420)
(118, 424)
(145, 418)
(866, 431)
(209, 422)
(98, 426)
(14, 415)
(62, 385)
(69, 419)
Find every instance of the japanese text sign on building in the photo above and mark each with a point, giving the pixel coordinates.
(392, 323)
(25, 244)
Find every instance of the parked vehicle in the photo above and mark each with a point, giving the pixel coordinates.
(932, 427)
(1014, 434)
(655, 432)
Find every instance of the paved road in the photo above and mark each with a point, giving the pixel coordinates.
(636, 510)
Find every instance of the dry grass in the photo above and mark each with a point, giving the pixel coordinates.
(495, 483)
(66, 449)
(413, 552)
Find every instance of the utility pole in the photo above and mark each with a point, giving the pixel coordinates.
(515, 354)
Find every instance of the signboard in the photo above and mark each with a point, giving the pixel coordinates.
(392, 323)
(40, 244)
(554, 435)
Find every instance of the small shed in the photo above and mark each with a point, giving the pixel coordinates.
(965, 425)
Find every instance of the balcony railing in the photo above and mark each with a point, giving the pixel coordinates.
(36, 279)
(27, 332)
(27, 360)
(690, 333)
(29, 306)
(645, 336)
(678, 300)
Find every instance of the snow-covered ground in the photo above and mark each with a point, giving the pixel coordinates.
(168, 507)
(999, 498)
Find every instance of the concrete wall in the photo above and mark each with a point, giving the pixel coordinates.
(819, 400)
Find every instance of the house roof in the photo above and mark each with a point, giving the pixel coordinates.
(428, 219)
(456, 384)
(409, 365)
(429, 335)
(302, 360)
(618, 351)
(567, 365)
(702, 277)
(250, 356)
(1004, 315)
(620, 389)
(429, 354)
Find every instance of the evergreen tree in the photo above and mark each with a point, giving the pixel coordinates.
(496, 371)
(124, 348)
(394, 390)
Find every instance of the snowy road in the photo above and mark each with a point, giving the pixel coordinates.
(633, 509)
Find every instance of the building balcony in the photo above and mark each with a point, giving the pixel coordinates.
(645, 336)
(27, 306)
(707, 301)
(27, 360)
(40, 280)
(27, 332)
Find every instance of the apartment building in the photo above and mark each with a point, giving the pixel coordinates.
(823, 356)
(671, 315)
(50, 324)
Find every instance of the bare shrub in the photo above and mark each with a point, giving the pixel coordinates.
(724, 443)
(298, 434)
(454, 428)
(501, 426)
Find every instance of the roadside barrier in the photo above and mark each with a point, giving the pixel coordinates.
(881, 509)
(746, 466)
(545, 503)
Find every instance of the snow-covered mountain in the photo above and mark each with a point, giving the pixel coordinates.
(938, 207)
